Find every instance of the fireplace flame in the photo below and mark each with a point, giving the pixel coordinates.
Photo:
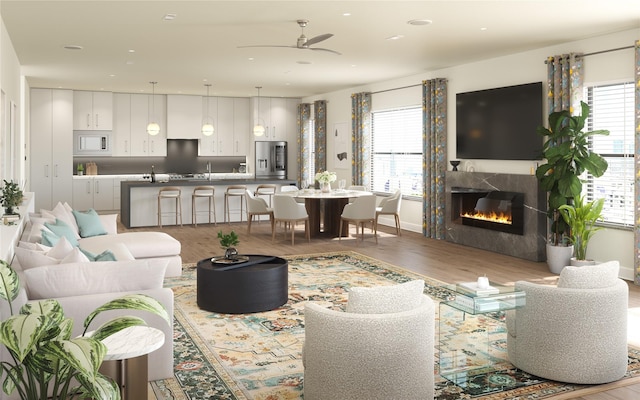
(500, 218)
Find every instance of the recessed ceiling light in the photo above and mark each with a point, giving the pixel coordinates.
(347, 14)
(169, 17)
(418, 22)
(73, 47)
(112, 75)
(395, 37)
(483, 29)
(132, 51)
(250, 58)
(303, 62)
(130, 63)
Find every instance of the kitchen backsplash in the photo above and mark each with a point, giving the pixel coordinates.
(142, 165)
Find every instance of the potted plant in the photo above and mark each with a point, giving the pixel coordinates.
(581, 218)
(566, 150)
(46, 360)
(325, 178)
(80, 169)
(229, 242)
(11, 196)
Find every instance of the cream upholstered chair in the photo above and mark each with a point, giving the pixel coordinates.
(257, 206)
(358, 188)
(382, 347)
(575, 332)
(287, 210)
(288, 188)
(391, 206)
(360, 212)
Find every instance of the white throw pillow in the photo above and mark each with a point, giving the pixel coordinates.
(61, 213)
(385, 299)
(35, 234)
(33, 258)
(60, 250)
(78, 279)
(75, 256)
(590, 276)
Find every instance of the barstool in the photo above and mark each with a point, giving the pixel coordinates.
(233, 191)
(203, 192)
(170, 192)
(266, 190)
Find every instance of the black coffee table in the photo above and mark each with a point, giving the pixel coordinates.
(261, 286)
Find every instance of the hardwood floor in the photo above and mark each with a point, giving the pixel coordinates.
(437, 259)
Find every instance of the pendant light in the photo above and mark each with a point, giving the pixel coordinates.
(207, 124)
(153, 128)
(258, 129)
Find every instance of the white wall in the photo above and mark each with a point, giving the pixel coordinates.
(514, 69)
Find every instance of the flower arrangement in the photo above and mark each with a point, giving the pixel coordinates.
(325, 177)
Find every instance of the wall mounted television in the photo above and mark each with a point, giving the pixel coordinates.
(500, 123)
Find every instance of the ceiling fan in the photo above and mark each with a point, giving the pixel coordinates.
(303, 42)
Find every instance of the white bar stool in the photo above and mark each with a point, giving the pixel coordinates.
(234, 191)
(170, 192)
(207, 192)
(266, 189)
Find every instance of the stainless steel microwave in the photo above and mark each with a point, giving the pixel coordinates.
(91, 143)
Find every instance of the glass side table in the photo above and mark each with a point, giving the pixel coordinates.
(470, 325)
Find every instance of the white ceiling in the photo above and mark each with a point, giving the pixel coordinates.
(201, 43)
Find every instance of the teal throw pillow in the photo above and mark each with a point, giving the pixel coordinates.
(106, 255)
(59, 228)
(49, 238)
(89, 223)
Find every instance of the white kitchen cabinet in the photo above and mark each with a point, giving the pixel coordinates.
(142, 109)
(92, 110)
(209, 145)
(241, 126)
(93, 192)
(231, 128)
(275, 114)
(184, 117)
(51, 146)
(121, 134)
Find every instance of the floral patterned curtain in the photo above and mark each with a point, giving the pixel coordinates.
(304, 152)
(565, 81)
(360, 138)
(434, 165)
(637, 166)
(320, 138)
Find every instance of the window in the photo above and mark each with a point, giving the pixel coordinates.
(396, 156)
(612, 109)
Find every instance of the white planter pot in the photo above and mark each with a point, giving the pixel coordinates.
(558, 257)
(581, 263)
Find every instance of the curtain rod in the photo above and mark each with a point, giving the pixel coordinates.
(399, 88)
(599, 52)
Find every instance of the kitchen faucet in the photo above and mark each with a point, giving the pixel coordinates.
(209, 169)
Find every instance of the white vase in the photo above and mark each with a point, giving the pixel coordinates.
(325, 187)
(558, 257)
(581, 263)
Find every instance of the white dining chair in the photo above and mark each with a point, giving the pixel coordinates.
(391, 206)
(287, 210)
(257, 206)
(360, 212)
(359, 188)
(288, 188)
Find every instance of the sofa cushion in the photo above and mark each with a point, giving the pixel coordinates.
(140, 244)
(75, 256)
(60, 250)
(33, 258)
(63, 213)
(590, 276)
(89, 223)
(385, 299)
(78, 279)
(59, 229)
(35, 233)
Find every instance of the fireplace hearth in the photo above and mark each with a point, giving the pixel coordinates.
(503, 213)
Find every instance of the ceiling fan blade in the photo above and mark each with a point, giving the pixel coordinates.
(266, 45)
(318, 39)
(327, 50)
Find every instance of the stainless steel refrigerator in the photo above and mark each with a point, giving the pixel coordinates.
(271, 160)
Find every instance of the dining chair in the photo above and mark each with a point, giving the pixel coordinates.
(257, 206)
(391, 206)
(360, 212)
(288, 189)
(287, 210)
(359, 188)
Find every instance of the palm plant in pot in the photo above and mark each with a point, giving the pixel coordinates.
(567, 153)
(47, 362)
(581, 218)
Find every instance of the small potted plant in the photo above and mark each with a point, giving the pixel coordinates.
(11, 197)
(80, 169)
(325, 178)
(229, 242)
(581, 218)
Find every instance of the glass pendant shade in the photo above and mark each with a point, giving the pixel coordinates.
(207, 129)
(207, 125)
(153, 128)
(258, 130)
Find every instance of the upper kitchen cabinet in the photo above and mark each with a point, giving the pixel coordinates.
(274, 114)
(230, 137)
(132, 113)
(242, 126)
(51, 146)
(184, 117)
(92, 111)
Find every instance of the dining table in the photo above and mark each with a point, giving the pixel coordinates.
(325, 209)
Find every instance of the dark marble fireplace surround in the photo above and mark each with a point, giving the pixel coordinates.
(530, 245)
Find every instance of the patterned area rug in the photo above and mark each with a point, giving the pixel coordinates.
(258, 356)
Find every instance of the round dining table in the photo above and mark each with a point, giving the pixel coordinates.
(325, 210)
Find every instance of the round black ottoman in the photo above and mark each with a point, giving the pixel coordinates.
(260, 285)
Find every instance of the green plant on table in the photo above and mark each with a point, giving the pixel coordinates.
(11, 196)
(581, 218)
(46, 358)
(230, 239)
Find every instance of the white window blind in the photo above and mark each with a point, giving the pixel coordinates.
(612, 109)
(396, 157)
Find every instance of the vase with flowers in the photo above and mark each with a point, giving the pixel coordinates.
(324, 179)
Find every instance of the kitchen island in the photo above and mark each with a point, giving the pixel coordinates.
(139, 201)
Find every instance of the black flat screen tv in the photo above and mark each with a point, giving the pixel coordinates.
(500, 123)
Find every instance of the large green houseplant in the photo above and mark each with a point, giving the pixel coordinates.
(567, 153)
(46, 360)
(581, 217)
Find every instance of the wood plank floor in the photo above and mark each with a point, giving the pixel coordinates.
(435, 258)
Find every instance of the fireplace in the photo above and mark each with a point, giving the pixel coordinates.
(488, 209)
(522, 234)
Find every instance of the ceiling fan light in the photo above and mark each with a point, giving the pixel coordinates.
(153, 128)
(207, 129)
(258, 130)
